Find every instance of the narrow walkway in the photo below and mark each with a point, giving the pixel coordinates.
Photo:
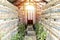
(30, 33)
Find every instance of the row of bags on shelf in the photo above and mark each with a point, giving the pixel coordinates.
(52, 14)
(7, 26)
(10, 35)
(51, 21)
(8, 4)
(52, 30)
(53, 9)
(6, 13)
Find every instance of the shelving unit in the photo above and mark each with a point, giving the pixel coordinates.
(50, 19)
(8, 20)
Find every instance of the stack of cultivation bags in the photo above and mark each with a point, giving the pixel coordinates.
(51, 22)
(8, 20)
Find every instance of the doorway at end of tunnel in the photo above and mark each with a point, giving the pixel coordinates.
(30, 22)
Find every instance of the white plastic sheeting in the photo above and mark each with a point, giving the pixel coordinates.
(50, 19)
(8, 20)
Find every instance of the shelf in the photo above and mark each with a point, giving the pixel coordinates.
(7, 4)
(10, 34)
(52, 31)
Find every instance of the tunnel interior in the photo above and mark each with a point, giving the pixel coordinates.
(29, 19)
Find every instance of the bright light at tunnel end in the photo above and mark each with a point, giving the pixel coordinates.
(30, 8)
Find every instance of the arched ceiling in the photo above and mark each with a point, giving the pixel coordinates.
(17, 2)
(39, 2)
(11, 1)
